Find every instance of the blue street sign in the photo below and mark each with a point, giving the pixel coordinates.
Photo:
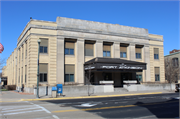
(59, 88)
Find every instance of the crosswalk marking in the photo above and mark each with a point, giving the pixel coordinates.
(20, 109)
(22, 112)
(23, 109)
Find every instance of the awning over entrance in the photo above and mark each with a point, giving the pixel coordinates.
(113, 64)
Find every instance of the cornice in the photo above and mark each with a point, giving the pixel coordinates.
(85, 31)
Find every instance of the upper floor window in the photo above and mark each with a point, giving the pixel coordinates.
(138, 53)
(22, 52)
(69, 48)
(26, 49)
(157, 77)
(89, 49)
(123, 50)
(156, 53)
(106, 50)
(44, 46)
(175, 62)
(123, 54)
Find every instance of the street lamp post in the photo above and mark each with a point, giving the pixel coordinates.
(39, 41)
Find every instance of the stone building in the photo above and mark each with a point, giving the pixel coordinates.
(69, 48)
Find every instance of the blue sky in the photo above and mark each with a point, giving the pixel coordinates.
(160, 18)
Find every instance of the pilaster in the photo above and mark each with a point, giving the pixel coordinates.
(60, 60)
(79, 66)
(98, 49)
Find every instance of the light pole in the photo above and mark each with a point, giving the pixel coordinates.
(39, 41)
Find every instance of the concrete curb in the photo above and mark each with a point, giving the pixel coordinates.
(86, 97)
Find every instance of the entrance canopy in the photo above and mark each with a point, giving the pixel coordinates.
(100, 64)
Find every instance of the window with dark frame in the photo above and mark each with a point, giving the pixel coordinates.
(22, 75)
(138, 55)
(175, 62)
(26, 49)
(25, 73)
(123, 54)
(138, 52)
(69, 73)
(69, 48)
(157, 76)
(89, 49)
(123, 51)
(43, 72)
(156, 53)
(106, 50)
(22, 52)
(44, 46)
(139, 77)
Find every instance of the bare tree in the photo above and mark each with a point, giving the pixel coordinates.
(171, 71)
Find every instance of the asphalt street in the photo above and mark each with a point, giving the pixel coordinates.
(143, 106)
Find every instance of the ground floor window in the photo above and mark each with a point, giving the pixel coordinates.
(43, 72)
(139, 77)
(69, 77)
(157, 76)
(43, 77)
(69, 73)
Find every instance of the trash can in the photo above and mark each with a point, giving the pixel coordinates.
(59, 89)
(54, 92)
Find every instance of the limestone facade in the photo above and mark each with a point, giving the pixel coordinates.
(21, 67)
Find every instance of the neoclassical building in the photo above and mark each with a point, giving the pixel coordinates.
(71, 48)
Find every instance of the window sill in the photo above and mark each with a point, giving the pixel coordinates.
(69, 55)
(123, 57)
(43, 53)
(89, 56)
(156, 59)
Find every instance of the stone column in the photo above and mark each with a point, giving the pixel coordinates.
(60, 60)
(131, 52)
(147, 60)
(79, 66)
(116, 50)
(98, 49)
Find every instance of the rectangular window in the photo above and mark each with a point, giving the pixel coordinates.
(123, 52)
(106, 51)
(175, 62)
(22, 52)
(157, 77)
(138, 53)
(26, 50)
(139, 76)
(69, 73)
(19, 76)
(44, 46)
(156, 53)
(43, 71)
(89, 50)
(25, 73)
(69, 48)
(22, 76)
(19, 54)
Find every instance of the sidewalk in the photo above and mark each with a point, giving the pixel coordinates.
(12, 96)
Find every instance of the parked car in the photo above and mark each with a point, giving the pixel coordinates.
(177, 87)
